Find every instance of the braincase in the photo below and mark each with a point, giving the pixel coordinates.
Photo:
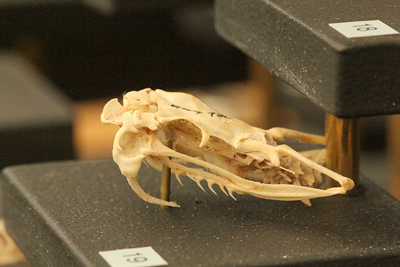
(182, 106)
(142, 100)
(181, 100)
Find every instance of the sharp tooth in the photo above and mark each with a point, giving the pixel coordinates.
(307, 202)
(178, 178)
(210, 184)
(199, 184)
(223, 189)
(231, 194)
(196, 179)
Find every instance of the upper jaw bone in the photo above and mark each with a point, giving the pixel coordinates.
(176, 115)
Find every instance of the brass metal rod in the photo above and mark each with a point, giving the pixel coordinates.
(166, 181)
(342, 147)
(262, 97)
(393, 139)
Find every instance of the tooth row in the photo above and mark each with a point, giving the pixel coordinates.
(197, 178)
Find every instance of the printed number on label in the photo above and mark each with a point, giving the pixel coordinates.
(137, 257)
(133, 257)
(363, 28)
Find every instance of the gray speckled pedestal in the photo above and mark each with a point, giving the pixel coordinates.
(294, 39)
(63, 214)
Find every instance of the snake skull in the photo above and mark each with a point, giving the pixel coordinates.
(232, 154)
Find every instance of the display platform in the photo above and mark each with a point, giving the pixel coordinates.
(35, 116)
(63, 214)
(342, 56)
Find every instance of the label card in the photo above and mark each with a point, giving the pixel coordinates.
(133, 257)
(363, 28)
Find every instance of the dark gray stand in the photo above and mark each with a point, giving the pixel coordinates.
(347, 77)
(63, 214)
(35, 116)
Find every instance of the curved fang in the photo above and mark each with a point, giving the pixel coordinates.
(133, 182)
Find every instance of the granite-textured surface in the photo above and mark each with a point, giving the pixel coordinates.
(347, 77)
(63, 214)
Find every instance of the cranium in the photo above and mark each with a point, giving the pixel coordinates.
(234, 155)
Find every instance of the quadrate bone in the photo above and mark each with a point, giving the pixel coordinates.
(234, 155)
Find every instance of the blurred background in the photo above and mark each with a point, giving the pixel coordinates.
(62, 60)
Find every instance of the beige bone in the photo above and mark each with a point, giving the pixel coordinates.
(228, 149)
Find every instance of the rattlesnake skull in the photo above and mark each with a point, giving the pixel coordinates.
(234, 155)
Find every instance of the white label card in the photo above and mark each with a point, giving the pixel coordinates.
(364, 28)
(133, 257)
